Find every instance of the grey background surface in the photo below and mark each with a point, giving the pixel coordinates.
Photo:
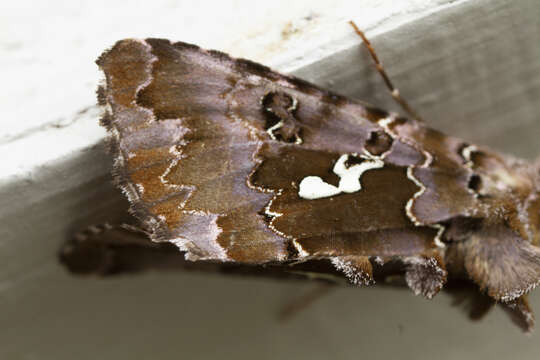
(470, 67)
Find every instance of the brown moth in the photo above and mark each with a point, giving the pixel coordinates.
(236, 164)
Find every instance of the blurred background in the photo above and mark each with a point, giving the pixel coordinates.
(470, 67)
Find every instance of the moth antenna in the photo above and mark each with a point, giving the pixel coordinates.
(380, 69)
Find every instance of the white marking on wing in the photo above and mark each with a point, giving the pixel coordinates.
(313, 187)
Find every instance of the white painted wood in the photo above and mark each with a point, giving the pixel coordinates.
(470, 67)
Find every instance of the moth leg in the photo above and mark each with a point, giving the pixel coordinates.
(303, 301)
(111, 249)
(380, 69)
(520, 313)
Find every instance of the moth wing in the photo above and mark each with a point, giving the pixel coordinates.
(211, 152)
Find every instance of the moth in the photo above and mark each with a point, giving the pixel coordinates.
(231, 164)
